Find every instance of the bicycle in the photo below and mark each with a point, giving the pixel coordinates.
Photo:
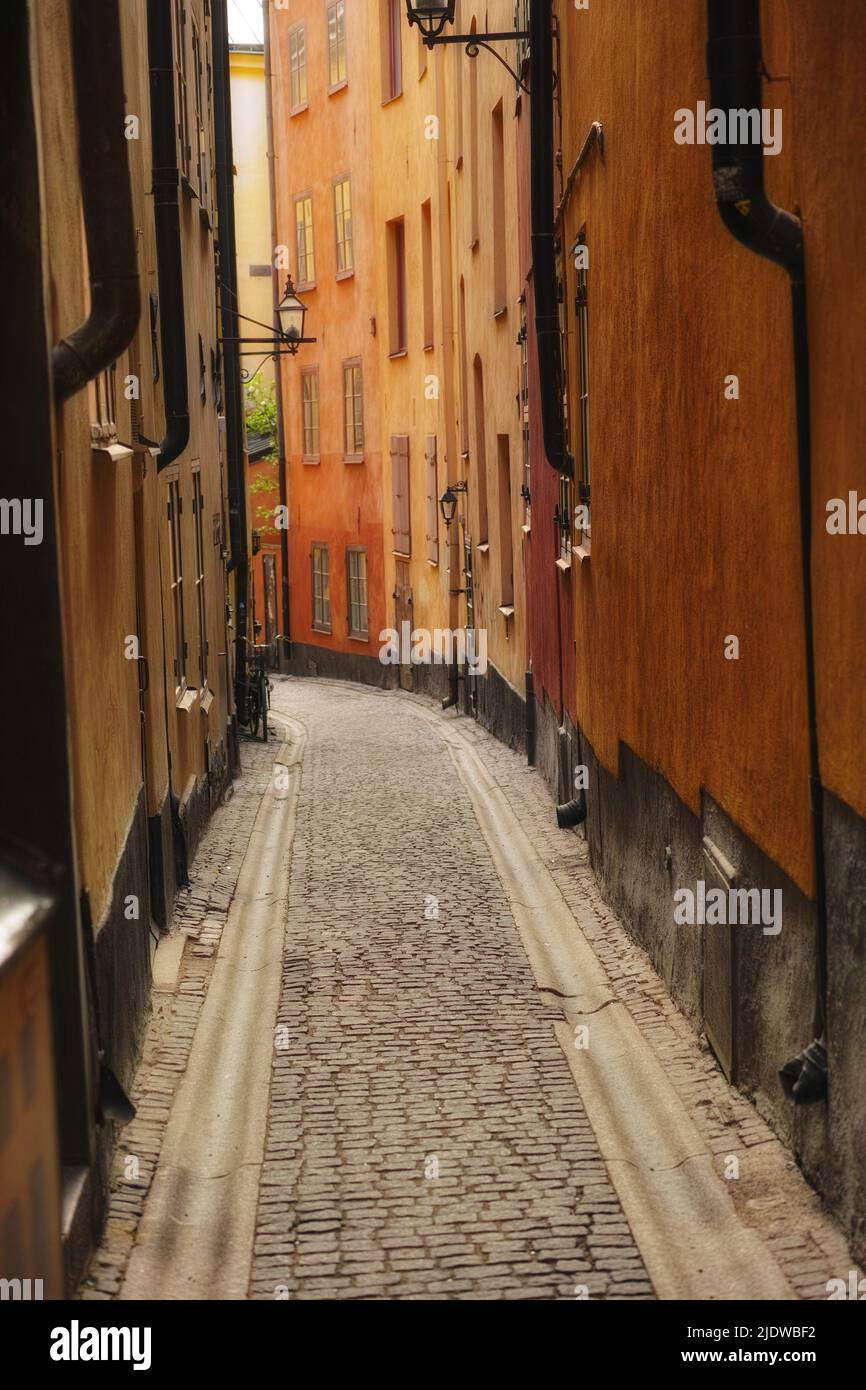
(256, 691)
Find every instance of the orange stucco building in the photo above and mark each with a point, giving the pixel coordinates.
(323, 176)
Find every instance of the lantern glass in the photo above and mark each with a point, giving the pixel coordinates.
(448, 504)
(431, 16)
(291, 311)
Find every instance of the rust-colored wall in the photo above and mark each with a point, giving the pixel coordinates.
(334, 502)
(828, 53)
(695, 503)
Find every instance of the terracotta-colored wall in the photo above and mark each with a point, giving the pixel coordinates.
(549, 590)
(828, 52)
(334, 502)
(695, 504)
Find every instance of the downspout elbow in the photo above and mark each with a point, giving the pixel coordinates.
(106, 190)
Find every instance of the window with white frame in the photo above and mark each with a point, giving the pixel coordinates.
(356, 558)
(298, 67)
(310, 411)
(337, 68)
(343, 225)
(304, 240)
(321, 588)
(353, 410)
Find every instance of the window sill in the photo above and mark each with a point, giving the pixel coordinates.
(395, 96)
(401, 352)
(305, 285)
(206, 698)
(582, 552)
(501, 312)
(338, 87)
(429, 347)
(299, 110)
(312, 459)
(527, 528)
(186, 700)
(111, 453)
(563, 564)
(325, 631)
(353, 458)
(346, 274)
(458, 163)
(359, 637)
(507, 610)
(483, 548)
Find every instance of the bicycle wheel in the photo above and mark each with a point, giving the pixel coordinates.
(253, 711)
(262, 696)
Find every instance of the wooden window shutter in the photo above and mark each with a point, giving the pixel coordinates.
(402, 528)
(432, 501)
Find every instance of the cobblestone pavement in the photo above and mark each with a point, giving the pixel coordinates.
(425, 1137)
(200, 913)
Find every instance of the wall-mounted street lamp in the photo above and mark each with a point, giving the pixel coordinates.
(285, 341)
(448, 501)
(431, 17)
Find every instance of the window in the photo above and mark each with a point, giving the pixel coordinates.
(582, 324)
(180, 74)
(202, 372)
(336, 45)
(175, 506)
(321, 589)
(565, 506)
(197, 508)
(356, 560)
(298, 68)
(427, 271)
(310, 411)
(343, 225)
(392, 49)
(402, 527)
(506, 547)
(154, 336)
(480, 453)
(353, 416)
(103, 406)
(500, 296)
(464, 374)
(564, 517)
(304, 240)
(396, 233)
(523, 407)
(432, 501)
(201, 170)
(473, 149)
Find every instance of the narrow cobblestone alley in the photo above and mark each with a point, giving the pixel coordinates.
(425, 1135)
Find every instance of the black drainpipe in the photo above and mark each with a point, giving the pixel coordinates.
(735, 67)
(542, 235)
(239, 562)
(166, 201)
(106, 193)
